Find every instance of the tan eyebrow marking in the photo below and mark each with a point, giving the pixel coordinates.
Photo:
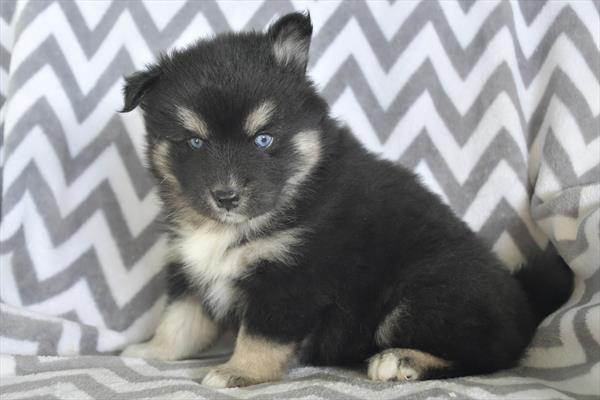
(259, 117)
(192, 121)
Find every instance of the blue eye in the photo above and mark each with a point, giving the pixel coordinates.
(263, 140)
(195, 143)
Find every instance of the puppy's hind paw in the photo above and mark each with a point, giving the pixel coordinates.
(390, 366)
(403, 365)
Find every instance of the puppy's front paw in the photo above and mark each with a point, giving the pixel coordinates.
(147, 350)
(226, 377)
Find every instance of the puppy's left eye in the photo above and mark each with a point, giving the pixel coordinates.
(195, 143)
(263, 140)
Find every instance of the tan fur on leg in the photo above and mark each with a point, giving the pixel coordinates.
(254, 360)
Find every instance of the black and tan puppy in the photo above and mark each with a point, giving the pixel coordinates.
(284, 228)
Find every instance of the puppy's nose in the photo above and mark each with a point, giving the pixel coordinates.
(226, 198)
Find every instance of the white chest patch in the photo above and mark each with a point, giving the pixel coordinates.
(212, 259)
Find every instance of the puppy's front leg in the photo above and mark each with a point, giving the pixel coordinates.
(255, 360)
(183, 330)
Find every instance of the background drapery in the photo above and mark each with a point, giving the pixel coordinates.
(495, 104)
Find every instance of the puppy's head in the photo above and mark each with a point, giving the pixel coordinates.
(232, 122)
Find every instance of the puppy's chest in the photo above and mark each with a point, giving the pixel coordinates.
(213, 259)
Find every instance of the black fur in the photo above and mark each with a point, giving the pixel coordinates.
(375, 239)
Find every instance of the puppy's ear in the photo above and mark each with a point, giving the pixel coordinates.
(291, 40)
(137, 85)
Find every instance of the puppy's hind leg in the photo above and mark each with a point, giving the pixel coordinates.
(183, 330)
(406, 365)
(399, 363)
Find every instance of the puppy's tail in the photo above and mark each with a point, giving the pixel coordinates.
(547, 281)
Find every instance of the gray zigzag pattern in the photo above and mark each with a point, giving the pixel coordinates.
(46, 333)
(7, 12)
(84, 377)
(78, 99)
(113, 134)
(83, 104)
(86, 105)
(102, 198)
(350, 9)
(463, 60)
(561, 166)
(502, 148)
(488, 94)
(425, 79)
(86, 267)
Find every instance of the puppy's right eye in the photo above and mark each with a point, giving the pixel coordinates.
(263, 140)
(195, 143)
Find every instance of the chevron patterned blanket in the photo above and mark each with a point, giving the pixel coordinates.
(496, 104)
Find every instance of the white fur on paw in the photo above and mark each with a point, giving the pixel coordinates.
(406, 373)
(146, 350)
(227, 377)
(388, 366)
(383, 368)
(215, 379)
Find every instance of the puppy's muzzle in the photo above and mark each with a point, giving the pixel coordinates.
(227, 198)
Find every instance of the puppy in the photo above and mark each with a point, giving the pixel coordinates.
(285, 229)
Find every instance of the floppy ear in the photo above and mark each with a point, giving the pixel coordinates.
(291, 40)
(137, 85)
